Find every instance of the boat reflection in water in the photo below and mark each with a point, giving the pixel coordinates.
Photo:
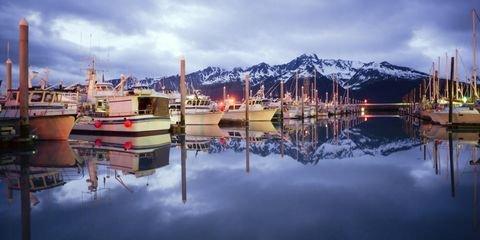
(138, 156)
(53, 164)
(364, 171)
(454, 154)
(48, 165)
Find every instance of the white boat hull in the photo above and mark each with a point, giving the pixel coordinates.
(204, 118)
(254, 115)
(141, 124)
(457, 118)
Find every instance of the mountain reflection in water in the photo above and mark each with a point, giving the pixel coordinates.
(362, 178)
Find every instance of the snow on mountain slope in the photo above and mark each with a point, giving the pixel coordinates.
(351, 74)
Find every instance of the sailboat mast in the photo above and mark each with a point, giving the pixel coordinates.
(296, 86)
(456, 74)
(438, 78)
(474, 43)
(446, 75)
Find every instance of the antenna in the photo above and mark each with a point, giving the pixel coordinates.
(8, 49)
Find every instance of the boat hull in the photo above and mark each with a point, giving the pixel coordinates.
(457, 118)
(254, 115)
(140, 125)
(52, 127)
(204, 118)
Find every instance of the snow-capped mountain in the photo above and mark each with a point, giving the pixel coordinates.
(349, 73)
(355, 75)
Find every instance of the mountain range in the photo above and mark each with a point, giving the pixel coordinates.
(375, 81)
(375, 137)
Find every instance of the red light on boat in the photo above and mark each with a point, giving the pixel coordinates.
(97, 124)
(127, 123)
(365, 101)
(98, 142)
(127, 145)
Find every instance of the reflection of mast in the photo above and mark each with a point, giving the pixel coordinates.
(25, 196)
(183, 158)
(450, 149)
(435, 156)
(247, 149)
(93, 177)
(281, 140)
(475, 162)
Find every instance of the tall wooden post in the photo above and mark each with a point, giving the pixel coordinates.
(247, 98)
(281, 100)
(303, 107)
(474, 47)
(23, 78)
(183, 92)
(450, 92)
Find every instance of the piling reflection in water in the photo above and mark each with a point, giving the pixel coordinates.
(199, 174)
(457, 152)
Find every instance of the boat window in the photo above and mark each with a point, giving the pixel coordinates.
(36, 97)
(48, 97)
(189, 102)
(57, 98)
(230, 107)
(13, 96)
(237, 106)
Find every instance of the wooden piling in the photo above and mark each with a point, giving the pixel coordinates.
(247, 98)
(450, 92)
(183, 92)
(302, 103)
(281, 100)
(23, 78)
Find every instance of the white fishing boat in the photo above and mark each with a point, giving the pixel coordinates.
(199, 109)
(256, 111)
(114, 111)
(51, 113)
(460, 115)
(133, 114)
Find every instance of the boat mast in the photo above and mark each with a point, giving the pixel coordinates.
(456, 74)
(474, 43)
(296, 86)
(446, 76)
(438, 78)
(91, 79)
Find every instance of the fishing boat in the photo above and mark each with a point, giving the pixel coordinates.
(132, 114)
(51, 113)
(117, 111)
(256, 111)
(460, 115)
(199, 109)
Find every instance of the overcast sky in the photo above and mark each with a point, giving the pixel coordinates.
(146, 38)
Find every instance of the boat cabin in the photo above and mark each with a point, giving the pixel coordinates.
(132, 106)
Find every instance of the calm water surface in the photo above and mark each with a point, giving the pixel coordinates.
(358, 178)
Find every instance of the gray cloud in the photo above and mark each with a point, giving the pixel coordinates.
(147, 38)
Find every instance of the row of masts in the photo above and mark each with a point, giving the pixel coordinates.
(435, 88)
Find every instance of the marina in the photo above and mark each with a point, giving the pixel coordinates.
(148, 129)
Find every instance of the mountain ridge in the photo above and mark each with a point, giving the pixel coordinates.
(357, 76)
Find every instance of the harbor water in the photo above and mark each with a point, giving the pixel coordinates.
(365, 177)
